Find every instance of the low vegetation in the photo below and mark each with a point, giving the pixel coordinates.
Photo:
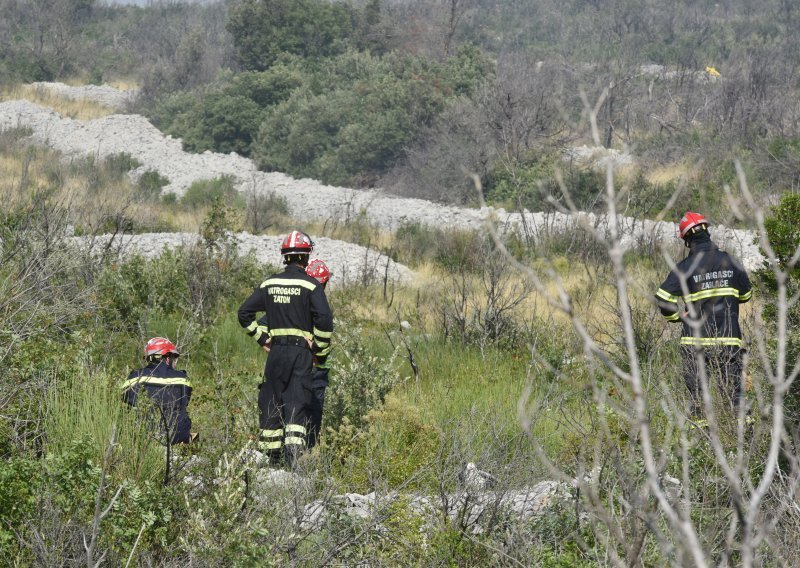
(483, 371)
(532, 361)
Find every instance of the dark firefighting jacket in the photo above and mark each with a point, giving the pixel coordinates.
(712, 284)
(295, 306)
(155, 374)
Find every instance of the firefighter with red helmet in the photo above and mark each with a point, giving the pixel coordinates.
(711, 284)
(300, 329)
(168, 388)
(319, 381)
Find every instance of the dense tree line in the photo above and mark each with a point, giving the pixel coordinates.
(410, 94)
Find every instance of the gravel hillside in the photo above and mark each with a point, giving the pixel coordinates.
(349, 263)
(310, 199)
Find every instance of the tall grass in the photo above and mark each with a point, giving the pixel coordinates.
(86, 406)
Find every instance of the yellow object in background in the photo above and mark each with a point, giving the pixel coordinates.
(711, 71)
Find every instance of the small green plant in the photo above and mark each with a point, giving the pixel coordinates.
(150, 184)
(120, 164)
(360, 381)
(218, 224)
(204, 193)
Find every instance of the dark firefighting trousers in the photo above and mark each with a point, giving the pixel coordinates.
(168, 413)
(284, 400)
(319, 382)
(723, 363)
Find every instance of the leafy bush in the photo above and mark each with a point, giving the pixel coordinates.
(783, 232)
(265, 210)
(204, 192)
(531, 186)
(194, 281)
(19, 483)
(150, 184)
(222, 122)
(396, 447)
(361, 112)
(120, 164)
(262, 31)
(360, 381)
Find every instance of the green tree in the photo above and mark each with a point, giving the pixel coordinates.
(264, 29)
(359, 112)
(783, 232)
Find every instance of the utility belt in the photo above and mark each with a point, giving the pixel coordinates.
(290, 340)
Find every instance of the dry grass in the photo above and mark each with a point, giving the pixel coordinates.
(80, 109)
(26, 172)
(665, 174)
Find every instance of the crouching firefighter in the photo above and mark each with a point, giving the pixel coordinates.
(168, 388)
(300, 326)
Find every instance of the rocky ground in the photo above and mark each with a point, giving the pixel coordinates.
(350, 264)
(104, 94)
(310, 199)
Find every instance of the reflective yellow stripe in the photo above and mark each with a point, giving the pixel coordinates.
(260, 332)
(147, 380)
(664, 295)
(323, 334)
(674, 317)
(272, 433)
(712, 293)
(270, 445)
(288, 282)
(746, 296)
(323, 352)
(704, 341)
(296, 428)
(294, 441)
(321, 343)
(251, 329)
(290, 331)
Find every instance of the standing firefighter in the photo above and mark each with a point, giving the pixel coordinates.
(319, 377)
(711, 284)
(300, 328)
(168, 388)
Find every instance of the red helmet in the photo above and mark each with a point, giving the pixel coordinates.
(296, 242)
(689, 221)
(319, 270)
(160, 346)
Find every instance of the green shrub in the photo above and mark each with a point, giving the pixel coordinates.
(359, 113)
(783, 232)
(194, 281)
(225, 123)
(20, 480)
(120, 164)
(396, 447)
(360, 381)
(265, 210)
(202, 193)
(9, 138)
(150, 184)
(262, 31)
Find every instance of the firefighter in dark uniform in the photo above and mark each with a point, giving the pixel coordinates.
(299, 329)
(319, 377)
(712, 284)
(168, 388)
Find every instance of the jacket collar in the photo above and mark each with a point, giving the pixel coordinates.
(702, 246)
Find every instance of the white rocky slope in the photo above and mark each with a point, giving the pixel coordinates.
(348, 262)
(309, 199)
(106, 95)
